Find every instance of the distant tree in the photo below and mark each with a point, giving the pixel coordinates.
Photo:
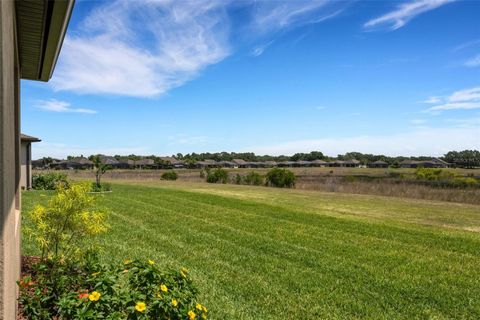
(465, 158)
(100, 169)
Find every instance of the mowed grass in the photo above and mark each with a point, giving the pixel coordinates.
(264, 253)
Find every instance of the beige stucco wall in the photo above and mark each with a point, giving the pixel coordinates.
(9, 168)
(24, 176)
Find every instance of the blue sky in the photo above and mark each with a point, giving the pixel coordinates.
(272, 77)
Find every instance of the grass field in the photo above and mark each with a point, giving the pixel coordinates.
(264, 253)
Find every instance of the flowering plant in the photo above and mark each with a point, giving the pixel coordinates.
(133, 290)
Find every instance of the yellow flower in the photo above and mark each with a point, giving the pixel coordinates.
(164, 288)
(127, 261)
(174, 302)
(191, 315)
(184, 272)
(151, 262)
(198, 306)
(140, 306)
(95, 274)
(204, 309)
(204, 316)
(94, 296)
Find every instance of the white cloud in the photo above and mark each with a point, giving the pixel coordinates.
(473, 62)
(466, 99)
(271, 16)
(60, 106)
(61, 151)
(186, 139)
(424, 141)
(467, 44)
(146, 48)
(404, 13)
(142, 49)
(432, 100)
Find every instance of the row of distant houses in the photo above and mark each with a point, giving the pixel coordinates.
(173, 163)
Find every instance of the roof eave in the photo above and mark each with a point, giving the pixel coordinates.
(57, 27)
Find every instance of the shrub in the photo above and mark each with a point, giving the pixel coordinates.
(67, 226)
(280, 178)
(49, 181)
(132, 290)
(465, 182)
(202, 174)
(169, 175)
(432, 174)
(253, 179)
(103, 187)
(238, 179)
(217, 176)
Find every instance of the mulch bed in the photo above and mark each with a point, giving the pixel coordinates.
(27, 270)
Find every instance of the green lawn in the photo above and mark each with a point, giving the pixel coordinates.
(264, 253)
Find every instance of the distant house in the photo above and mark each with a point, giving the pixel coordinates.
(208, 163)
(81, 163)
(125, 164)
(352, 163)
(26, 160)
(240, 163)
(145, 164)
(319, 163)
(431, 163)
(270, 164)
(287, 164)
(378, 164)
(108, 160)
(77, 163)
(302, 163)
(173, 162)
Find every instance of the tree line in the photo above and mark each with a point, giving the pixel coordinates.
(465, 158)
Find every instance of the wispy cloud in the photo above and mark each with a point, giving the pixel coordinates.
(142, 48)
(473, 62)
(185, 139)
(432, 100)
(466, 45)
(466, 99)
(423, 141)
(404, 13)
(146, 48)
(271, 16)
(61, 106)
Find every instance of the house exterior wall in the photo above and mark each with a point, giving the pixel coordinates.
(9, 163)
(25, 165)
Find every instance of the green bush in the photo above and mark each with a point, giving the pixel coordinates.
(169, 175)
(253, 179)
(49, 181)
(217, 176)
(103, 187)
(280, 178)
(465, 182)
(433, 174)
(89, 290)
(238, 179)
(66, 227)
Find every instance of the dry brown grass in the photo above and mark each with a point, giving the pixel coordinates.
(323, 179)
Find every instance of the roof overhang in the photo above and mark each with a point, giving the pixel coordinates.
(41, 28)
(26, 138)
